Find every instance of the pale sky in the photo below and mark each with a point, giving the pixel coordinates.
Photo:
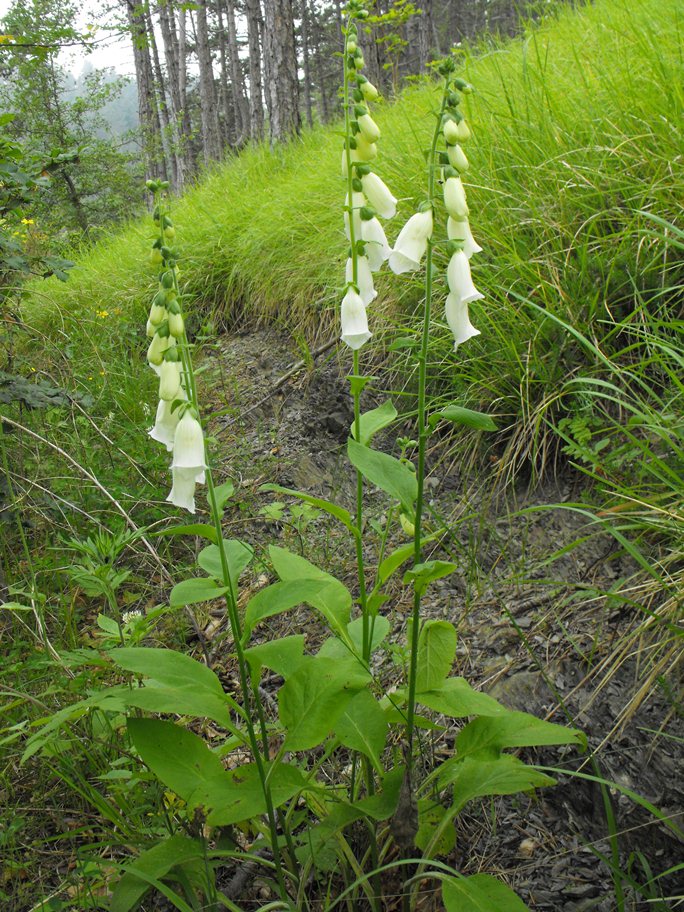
(109, 50)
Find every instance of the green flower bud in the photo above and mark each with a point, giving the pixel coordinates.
(369, 92)
(367, 213)
(156, 213)
(462, 86)
(351, 46)
(152, 186)
(454, 99)
(157, 314)
(163, 185)
(167, 279)
(357, 95)
(359, 62)
(156, 258)
(357, 186)
(352, 142)
(170, 233)
(176, 325)
(167, 252)
(362, 169)
(362, 14)
(160, 299)
(360, 110)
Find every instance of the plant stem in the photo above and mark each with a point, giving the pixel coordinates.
(233, 614)
(422, 440)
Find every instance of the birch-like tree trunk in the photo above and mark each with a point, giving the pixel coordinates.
(148, 115)
(180, 120)
(306, 65)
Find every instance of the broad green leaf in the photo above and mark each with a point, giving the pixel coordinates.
(480, 893)
(238, 556)
(423, 574)
(168, 667)
(380, 627)
(176, 683)
(177, 757)
(386, 472)
(191, 591)
(436, 652)
(154, 863)
(459, 415)
(477, 778)
(456, 698)
(283, 656)
(332, 509)
(201, 529)
(513, 729)
(291, 566)
(312, 699)
(396, 558)
(223, 493)
(330, 598)
(362, 727)
(240, 796)
(374, 421)
(430, 816)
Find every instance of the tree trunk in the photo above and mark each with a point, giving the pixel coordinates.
(147, 113)
(321, 75)
(282, 84)
(240, 102)
(305, 61)
(211, 143)
(180, 121)
(231, 114)
(161, 102)
(256, 105)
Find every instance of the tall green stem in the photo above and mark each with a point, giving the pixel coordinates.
(422, 437)
(233, 614)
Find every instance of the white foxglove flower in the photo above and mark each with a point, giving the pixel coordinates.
(459, 320)
(365, 150)
(166, 422)
(455, 198)
(188, 445)
(354, 320)
(176, 325)
(460, 280)
(450, 130)
(460, 231)
(368, 90)
(157, 314)
(358, 201)
(411, 243)
(182, 493)
(169, 380)
(369, 129)
(379, 195)
(364, 278)
(457, 158)
(157, 347)
(377, 248)
(463, 131)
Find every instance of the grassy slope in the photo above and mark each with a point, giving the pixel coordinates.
(577, 134)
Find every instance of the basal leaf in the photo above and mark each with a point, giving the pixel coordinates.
(480, 893)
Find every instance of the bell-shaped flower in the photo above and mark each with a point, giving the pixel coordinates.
(463, 131)
(379, 195)
(457, 158)
(455, 198)
(459, 279)
(450, 130)
(157, 314)
(166, 422)
(369, 129)
(169, 380)
(377, 248)
(182, 493)
(460, 231)
(358, 202)
(364, 278)
(188, 445)
(176, 325)
(457, 317)
(365, 150)
(411, 243)
(354, 320)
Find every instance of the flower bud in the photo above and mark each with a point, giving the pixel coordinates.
(152, 186)
(157, 314)
(367, 213)
(450, 130)
(176, 325)
(369, 92)
(379, 195)
(366, 151)
(357, 186)
(156, 258)
(457, 158)
(369, 129)
(167, 279)
(157, 347)
(455, 198)
(351, 45)
(462, 86)
(169, 380)
(359, 62)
